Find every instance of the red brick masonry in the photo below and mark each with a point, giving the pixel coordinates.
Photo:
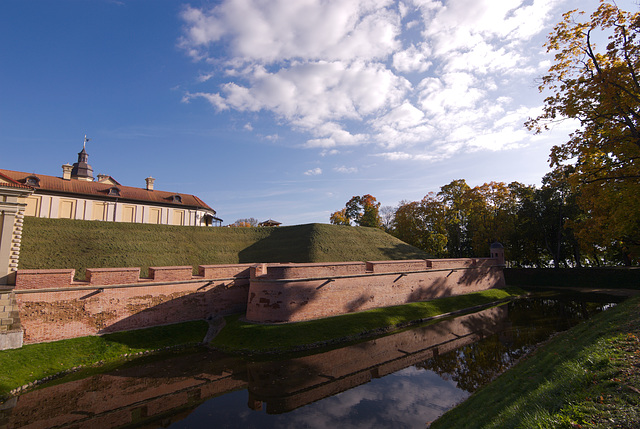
(295, 292)
(117, 299)
(53, 306)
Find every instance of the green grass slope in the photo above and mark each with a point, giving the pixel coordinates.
(61, 243)
(330, 243)
(586, 377)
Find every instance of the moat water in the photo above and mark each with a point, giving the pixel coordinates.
(404, 380)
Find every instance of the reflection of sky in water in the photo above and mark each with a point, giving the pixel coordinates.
(409, 398)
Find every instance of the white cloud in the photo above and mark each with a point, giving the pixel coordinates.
(344, 169)
(485, 58)
(326, 152)
(215, 99)
(404, 156)
(414, 79)
(248, 126)
(453, 91)
(412, 59)
(205, 77)
(311, 94)
(402, 117)
(321, 143)
(505, 138)
(462, 24)
(313, 172)
(268, 31)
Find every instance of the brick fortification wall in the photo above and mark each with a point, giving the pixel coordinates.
(295, 292)
(52, 306)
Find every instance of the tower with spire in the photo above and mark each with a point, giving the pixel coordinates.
(82, 170)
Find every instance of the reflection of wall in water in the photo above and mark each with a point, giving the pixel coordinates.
(166, 391)
(161, 391)
(287, 385)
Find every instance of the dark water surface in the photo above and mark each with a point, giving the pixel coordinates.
(405, 380)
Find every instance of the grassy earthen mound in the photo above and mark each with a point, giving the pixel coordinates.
(62, 243)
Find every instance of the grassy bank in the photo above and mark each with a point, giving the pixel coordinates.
(62, 243)
(587, 377)
(36, 361)
(241, 337)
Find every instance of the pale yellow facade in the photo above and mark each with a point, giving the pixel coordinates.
(79, 208)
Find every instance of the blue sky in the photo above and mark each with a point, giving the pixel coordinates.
(279, 109)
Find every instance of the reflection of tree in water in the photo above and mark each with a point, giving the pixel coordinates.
(530, 321)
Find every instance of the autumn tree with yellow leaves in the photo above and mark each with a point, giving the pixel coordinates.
(362, 210)
(599, 86)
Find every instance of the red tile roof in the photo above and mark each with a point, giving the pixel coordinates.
(11, 183)
(101, 190)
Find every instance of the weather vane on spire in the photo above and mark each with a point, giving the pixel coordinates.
(84, 145)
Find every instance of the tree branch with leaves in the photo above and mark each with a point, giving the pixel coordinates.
(599, 87)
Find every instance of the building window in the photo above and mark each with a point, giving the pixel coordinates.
(99, 211)
(114, 192)
(128, 213)
(178, 217)
(32, 181)
(177, 199)
(67, 209)
(155, 215)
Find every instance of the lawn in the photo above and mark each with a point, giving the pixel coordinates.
(64, 243)
(36, 361)
(587, 377)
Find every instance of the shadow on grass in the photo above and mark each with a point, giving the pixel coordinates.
(290, 244)
(404, 251)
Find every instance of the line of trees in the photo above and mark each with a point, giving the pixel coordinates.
(245, 223)
(536, 225)
(539, 226)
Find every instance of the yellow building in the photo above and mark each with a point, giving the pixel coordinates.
(76, 195)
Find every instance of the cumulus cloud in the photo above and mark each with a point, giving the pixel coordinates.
(203, 77)
(344, 169)
(276, 30)
(412, 59)
(313, 172)
(403, 156)
(414, 79)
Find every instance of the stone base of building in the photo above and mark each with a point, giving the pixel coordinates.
(11, 332)
(11, 339)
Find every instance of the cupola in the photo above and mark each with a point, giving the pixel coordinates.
(82, 170)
